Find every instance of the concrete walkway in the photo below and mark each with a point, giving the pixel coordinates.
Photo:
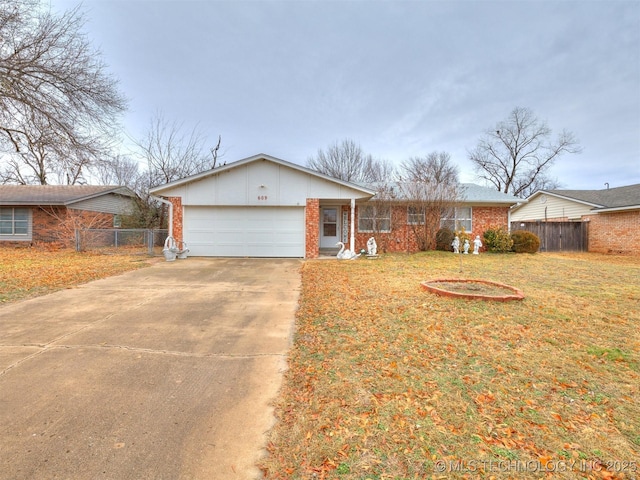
(167, 372)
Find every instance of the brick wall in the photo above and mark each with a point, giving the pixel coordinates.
(312, 228)
(178, 218)
(399, 239)
(57, 226)
(487, 217)
(402, 237)
(614, 232)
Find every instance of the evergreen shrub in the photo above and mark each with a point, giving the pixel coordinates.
(497, 240)
(525, 242)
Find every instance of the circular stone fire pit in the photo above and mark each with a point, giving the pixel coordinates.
(473, 289)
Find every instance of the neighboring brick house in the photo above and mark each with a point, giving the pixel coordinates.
(40, 214)
(613, 214)
(262, 206)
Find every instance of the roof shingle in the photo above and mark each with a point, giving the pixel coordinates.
(54, 194)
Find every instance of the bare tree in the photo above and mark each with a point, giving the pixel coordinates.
(171, 153)
(428, 185)
(121, 170)
(346, 161)
(214, 152)
(58, 106)
(519, 151)
(541, 182)
(435, 167)
(124, 170)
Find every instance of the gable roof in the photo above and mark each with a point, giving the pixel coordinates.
(255, 158)
(56, 194)
(605, 200)
(468, 193)
(477, 194)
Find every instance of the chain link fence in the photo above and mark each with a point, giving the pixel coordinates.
(121, 240)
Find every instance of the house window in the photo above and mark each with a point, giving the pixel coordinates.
(456, 218)
(14, 223)
(415, 215)
(374, 218)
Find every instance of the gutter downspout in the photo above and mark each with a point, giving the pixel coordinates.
(167, 202)
(352, 240)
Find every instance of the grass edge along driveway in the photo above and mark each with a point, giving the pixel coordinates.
(28, 272)
(387, 381)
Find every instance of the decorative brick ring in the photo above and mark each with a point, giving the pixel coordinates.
(463, 288)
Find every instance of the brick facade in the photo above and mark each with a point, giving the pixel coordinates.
(57, 226)
(178, 218)
(488, 217)
(312, 228)
(614, 232)
(403, 239)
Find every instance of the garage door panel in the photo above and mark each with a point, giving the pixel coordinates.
(245, 231)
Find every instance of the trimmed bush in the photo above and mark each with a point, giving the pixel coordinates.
(525, 242)
(497, 240)
(444, 237)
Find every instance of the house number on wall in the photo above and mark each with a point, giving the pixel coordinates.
(262, 197)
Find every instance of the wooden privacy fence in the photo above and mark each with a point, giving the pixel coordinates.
(558, 236)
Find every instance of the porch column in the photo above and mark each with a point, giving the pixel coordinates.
(352, 240)
(312, 228)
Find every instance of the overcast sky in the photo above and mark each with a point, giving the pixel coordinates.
(400, 78)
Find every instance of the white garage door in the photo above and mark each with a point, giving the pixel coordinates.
(244, 231)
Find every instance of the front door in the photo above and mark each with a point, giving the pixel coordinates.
(329, 227)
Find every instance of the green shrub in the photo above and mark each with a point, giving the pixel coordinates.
(498, 240)
(525, 242)
(444, 237)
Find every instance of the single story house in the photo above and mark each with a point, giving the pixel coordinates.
(612, 214)
(263, 206)
(32, 214)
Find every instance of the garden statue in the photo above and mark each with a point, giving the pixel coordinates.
(466, 246)
(346, 254)
(456, 245)
(372, 247)
(477, 243)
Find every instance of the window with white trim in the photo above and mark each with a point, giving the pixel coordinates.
(415, 215)
(14, 223)
(457, 218)
(374, 218)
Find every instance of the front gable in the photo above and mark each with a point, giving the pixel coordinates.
(259, 181)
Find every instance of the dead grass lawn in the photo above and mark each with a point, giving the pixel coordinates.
(29, 272)
(388, 381)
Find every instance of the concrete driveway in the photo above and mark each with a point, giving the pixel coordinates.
(167, 372)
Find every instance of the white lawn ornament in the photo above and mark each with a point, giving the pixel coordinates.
(345, 254)
(170, 250)
(477, 243)
(372, 247)
(456, 245)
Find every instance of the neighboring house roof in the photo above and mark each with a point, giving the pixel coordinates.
(606, 200)
(56, 194)
(468, 193)
(476, 194)
(255, 158)
(617, 198)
